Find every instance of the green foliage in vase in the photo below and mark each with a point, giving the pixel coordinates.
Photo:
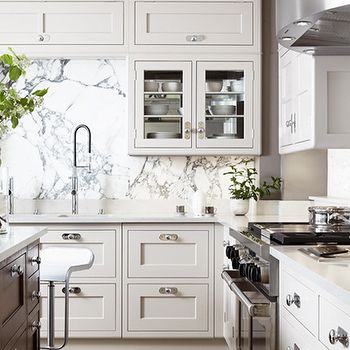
(243, 179)
(15, 104)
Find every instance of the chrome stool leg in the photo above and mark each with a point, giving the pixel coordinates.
(51, 314)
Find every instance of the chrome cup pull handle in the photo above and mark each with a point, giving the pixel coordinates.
(71, 236)
(194, 38)
(168, 237)
(168, 290)
(16, 270)
(72, 290)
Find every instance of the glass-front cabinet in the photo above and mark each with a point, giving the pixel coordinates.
(195, 107)
(163, 104)
(224, 104)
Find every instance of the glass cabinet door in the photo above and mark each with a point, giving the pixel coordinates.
(163, 104)
(224, 104)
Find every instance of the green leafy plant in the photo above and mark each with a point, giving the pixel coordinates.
(243, 179)
(15, 104)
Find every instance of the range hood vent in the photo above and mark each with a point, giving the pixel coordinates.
(314, 26)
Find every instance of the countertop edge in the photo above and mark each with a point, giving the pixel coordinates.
(23, 243)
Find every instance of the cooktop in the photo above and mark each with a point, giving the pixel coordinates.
(299, 233)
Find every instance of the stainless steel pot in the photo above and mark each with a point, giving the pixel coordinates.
(329, 216)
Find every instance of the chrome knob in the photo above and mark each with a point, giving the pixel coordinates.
(40, 38)
(340, 336)
(16, 270)
(36, 325)
(36, 295)
(36, 260)
(295, 299)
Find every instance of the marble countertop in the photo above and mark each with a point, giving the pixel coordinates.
(330, 276)
(17, 238)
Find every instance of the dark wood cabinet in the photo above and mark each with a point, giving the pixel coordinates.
(19, 300)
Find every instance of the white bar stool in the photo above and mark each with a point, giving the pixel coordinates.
(57, 265)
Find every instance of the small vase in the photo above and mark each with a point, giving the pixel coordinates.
(239, 207)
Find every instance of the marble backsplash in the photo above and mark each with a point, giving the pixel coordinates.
(39, 152)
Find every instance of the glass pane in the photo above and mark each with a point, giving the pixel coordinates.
(163, 81)
(161, 104)
(163, 128)
(224, 127)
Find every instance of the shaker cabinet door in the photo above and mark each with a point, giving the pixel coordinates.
(62, 23)
(194, 23)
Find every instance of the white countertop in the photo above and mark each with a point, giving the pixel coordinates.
(331, 276)
(17, 238)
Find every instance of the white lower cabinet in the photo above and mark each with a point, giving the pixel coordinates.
(168, 308)
(334, 323)
(92, 309)
(308, 319)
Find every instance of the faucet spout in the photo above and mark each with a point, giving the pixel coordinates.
(75, 182)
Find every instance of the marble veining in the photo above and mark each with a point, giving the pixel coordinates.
(94, 92)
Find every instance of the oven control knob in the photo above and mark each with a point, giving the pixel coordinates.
(235, 263)
(242, 269)
(229, 251)
(255, 274)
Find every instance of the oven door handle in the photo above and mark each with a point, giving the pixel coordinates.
(240, 295)
(254, 309)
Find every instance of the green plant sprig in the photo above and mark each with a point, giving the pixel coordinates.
(243, 179)
(13, 105)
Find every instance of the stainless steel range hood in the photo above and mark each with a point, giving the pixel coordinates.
(319, 27)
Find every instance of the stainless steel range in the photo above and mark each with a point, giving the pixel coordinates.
(254, 279)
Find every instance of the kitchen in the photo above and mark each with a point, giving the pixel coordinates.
(157, 172)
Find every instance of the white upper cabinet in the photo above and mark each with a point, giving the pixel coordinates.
(195, 107)
(313, 102)
(61, 23)
(193, 23)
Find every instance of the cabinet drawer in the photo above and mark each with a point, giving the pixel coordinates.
(33, 332)
(294, 336)
(62, 23)
(194, 23)
(303, 302)
(12, 301)
(19, 343)
(33, 290)
(92, 309)
(151, 309)
(33, 261)
(154, 252)
(101, 242)
(331, 318)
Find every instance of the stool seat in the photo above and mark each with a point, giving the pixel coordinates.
(58, 263)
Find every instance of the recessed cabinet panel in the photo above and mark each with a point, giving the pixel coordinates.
(164, 253)
(194, 23)
(92, 309)
(101, 242)
(168, 308)
(163, 104)
(224, 104)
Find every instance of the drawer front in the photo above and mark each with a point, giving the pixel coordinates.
(12, 300)
(33, 292)
(194, 23)
(152, 309)
(33, 261)
(294, 336)
(19, 343)
(168, 253)
(101, 242)
(92, 309)
(300, 301)
(331, 318)
(33, 331)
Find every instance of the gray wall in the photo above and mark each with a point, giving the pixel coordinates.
(303, 173)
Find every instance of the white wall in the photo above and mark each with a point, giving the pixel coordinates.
(339, 173)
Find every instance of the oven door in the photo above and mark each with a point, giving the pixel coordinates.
(255, 319)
